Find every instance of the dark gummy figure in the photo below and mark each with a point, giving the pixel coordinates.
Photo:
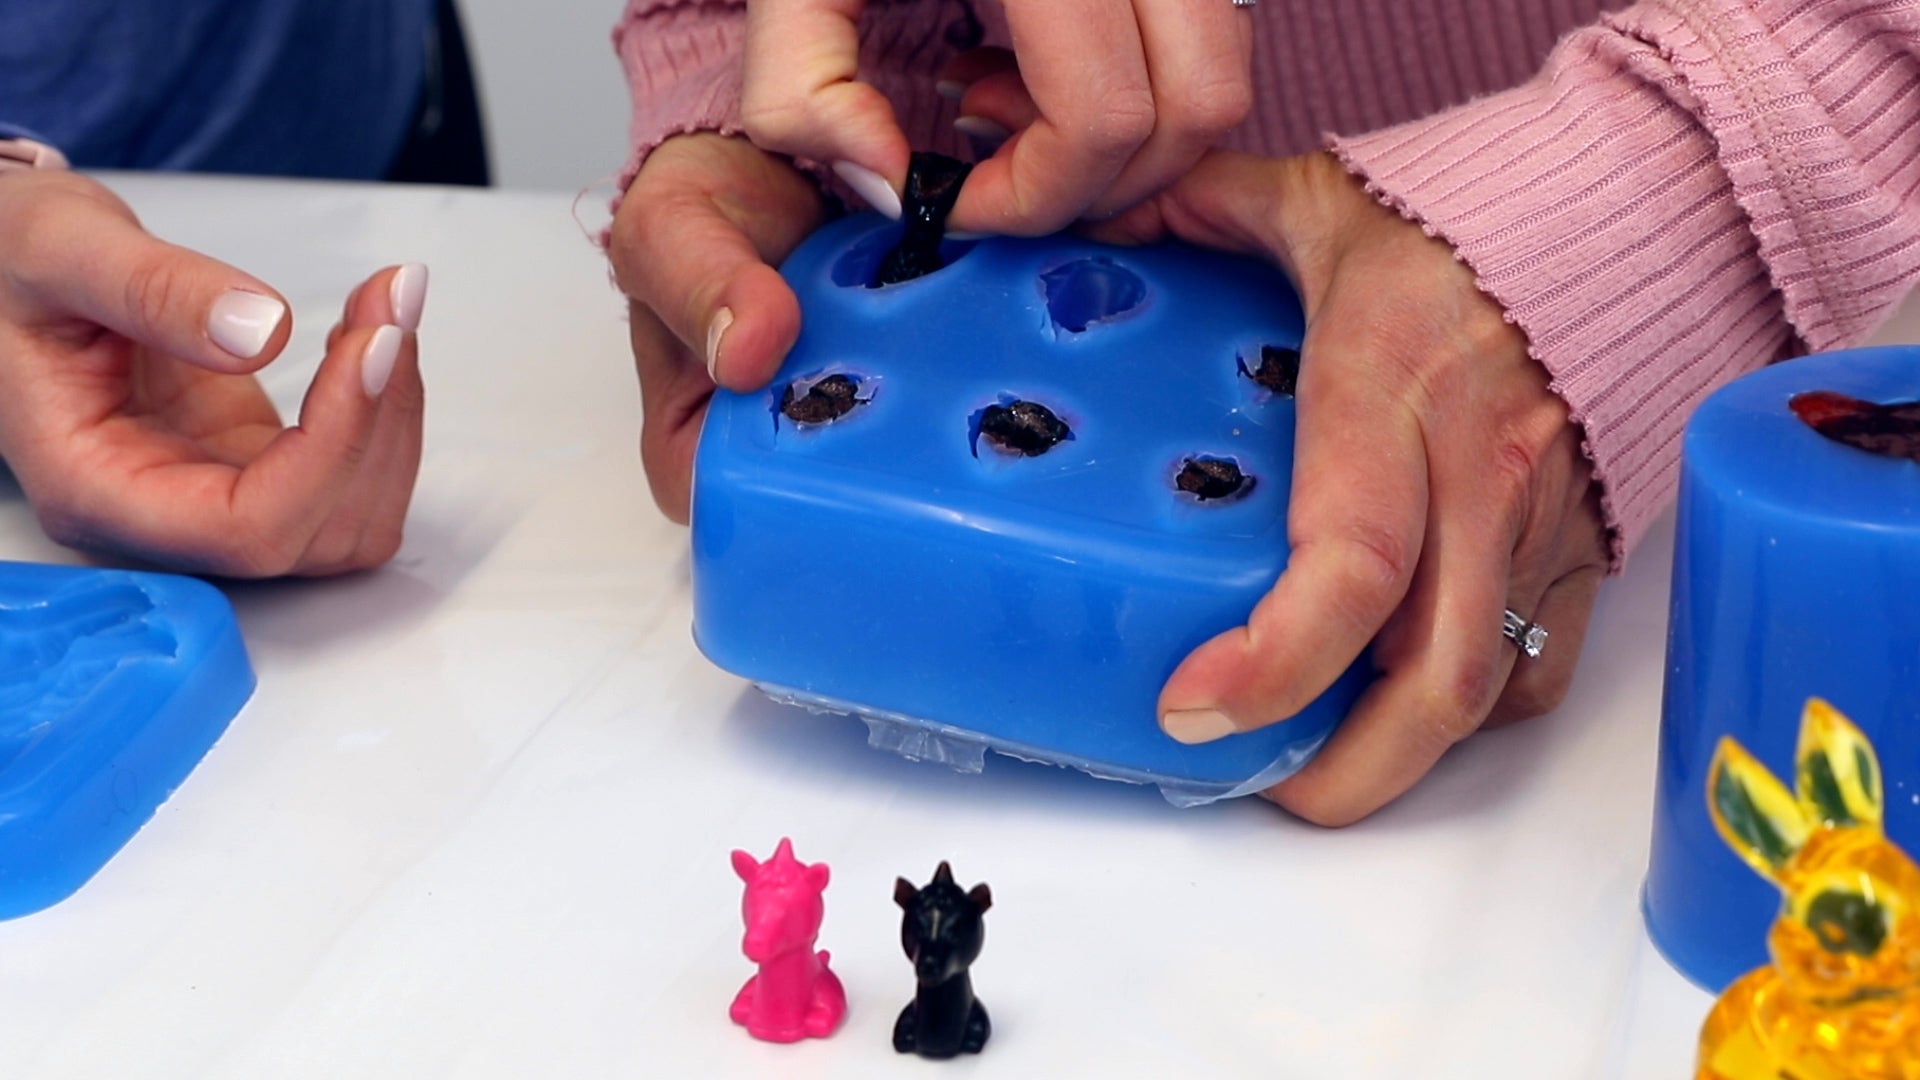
(1210, 478)
(1892, 430)
(829, 399)
(1279, 369)
(942, 932)
(1025, 427)
(933, 186)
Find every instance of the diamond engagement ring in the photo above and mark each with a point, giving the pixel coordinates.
(1530, 638)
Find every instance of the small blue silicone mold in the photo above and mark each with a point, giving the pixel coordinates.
(895, 564)
(113, 685)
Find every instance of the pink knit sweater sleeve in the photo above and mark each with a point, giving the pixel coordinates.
(1687, 191)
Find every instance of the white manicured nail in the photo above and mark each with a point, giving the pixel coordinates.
(408, 293)
(376, 364)
(243, 322)
(716, 330)
(1192, 726)
(979, 127)
(871, 186)
(951, 89)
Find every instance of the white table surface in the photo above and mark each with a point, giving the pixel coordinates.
(475, 821)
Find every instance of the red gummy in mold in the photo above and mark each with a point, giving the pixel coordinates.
(1891, 430)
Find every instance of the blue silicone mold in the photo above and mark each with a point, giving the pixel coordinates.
(113, 685)
(895, 565)
(1795, 566)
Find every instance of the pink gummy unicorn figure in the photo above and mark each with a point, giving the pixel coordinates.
(794, 996)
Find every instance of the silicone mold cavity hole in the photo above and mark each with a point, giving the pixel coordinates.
(1212, 479)
(1088, 291)
(815, 400)
(1022, 428)
(1276, 369)
(855, 269)
(53, 653)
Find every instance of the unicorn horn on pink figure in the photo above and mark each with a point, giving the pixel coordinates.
(794, 996)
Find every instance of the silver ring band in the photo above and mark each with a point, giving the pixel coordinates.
(1529, 638)
(1244, 3)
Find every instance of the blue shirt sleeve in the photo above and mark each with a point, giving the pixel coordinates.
(16, 131)
(324, 88)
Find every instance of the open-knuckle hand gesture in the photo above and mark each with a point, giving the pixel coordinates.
(131, 417)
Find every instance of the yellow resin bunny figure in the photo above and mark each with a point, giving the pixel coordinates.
(1841, 1000)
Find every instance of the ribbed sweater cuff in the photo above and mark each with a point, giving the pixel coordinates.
(683, 66)
(1591, 206)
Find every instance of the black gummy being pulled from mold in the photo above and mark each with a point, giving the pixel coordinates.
(1024, 427)
(933, 186)
(1208, 478)
(1279, 369)
(825, 401)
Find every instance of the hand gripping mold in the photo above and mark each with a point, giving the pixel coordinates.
(1841, 1000)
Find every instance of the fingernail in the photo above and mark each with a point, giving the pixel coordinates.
(715, 331)
(951, 89)
(376, 364)
(871, 186)
(408, 292)
(1192, 726)
(979, 127)
(243, 322)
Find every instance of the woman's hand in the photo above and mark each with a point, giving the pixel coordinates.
(1437, 481)
(1102, 103)
(130, 416)
(693, 243)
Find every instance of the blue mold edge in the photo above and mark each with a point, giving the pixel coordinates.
(113, 686)
(964, 750)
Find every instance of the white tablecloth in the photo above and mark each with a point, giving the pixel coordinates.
(475, 822)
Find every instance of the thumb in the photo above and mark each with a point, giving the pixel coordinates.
(88, 260)
(693, 241)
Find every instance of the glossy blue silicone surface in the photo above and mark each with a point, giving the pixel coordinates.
(895, 564)
(113, 685)
(1796, 568)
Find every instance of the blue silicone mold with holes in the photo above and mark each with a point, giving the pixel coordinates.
(113, 685)
(895, 564)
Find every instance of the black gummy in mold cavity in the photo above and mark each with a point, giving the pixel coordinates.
(1278, 371)
(825, 401)
(933, 186)
(1087, 291)
(1210, 478)
(1023, 427)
